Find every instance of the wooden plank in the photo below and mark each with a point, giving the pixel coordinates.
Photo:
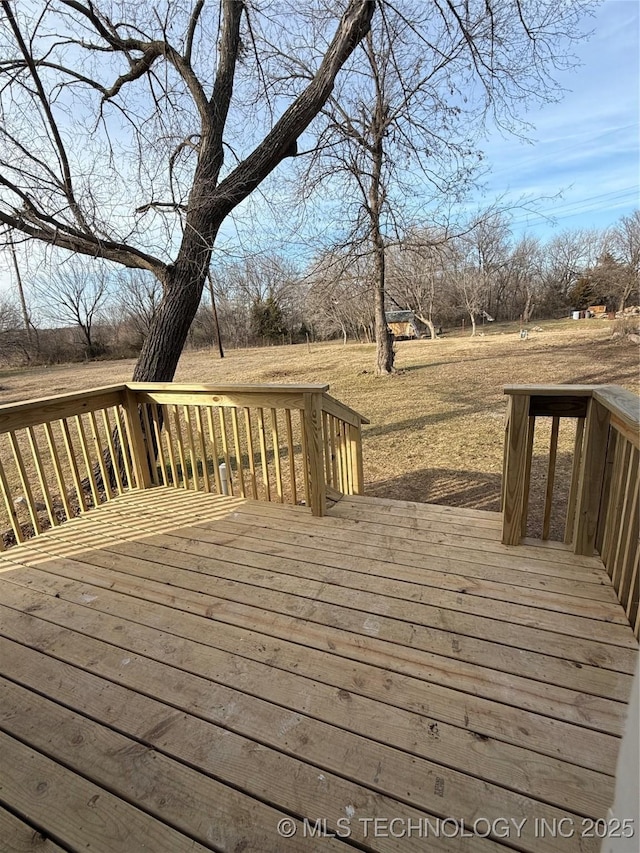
(177, 429)
(73, 465)
(14, 416)
(383, 599)
(86, 458)
(591, 478)
(250, 450)
(225, 449)
(16, 836)
(109, 435)
(275, 439)
(335, 482)
(214, 445)
(628, 516)
(238, 451)
(57, 468)
(313, 431)
(182, 639)
(291, 780)
(181, 799)
(355, 434)
(625, 410)
(100, 456)
(613, 518)
(305, 459)
(221, 389)
(558, 406)
(263, 454)
(42, 476)
(549, 390)
(124, 447)
(191, 448)
(338, 410)
(156, 426)
(137, 444)
(551, 472)
(515, 472)
(531, 425)
(606, 490)
(351, 723)
(149, 444)
(232, 399)
(73, 808)
(166, 425)
(202, 449)
(25, 482)
(7, 496)
(291, 457)
(234, 603)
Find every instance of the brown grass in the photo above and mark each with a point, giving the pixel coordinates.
(436, 427)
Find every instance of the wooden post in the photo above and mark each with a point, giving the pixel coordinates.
(515, 469)
(315, 464)
(138, 445)
(357, 468)
(592, 470)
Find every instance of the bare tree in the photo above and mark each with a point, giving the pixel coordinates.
(74, 294)
(139, 295)
(77, 71)
(626, 244)
(404, 137)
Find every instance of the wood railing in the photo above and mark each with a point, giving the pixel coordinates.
(62, 456)
(602, 503)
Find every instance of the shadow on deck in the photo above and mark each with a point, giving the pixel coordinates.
(184, 671)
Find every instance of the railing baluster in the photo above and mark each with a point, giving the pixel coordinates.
(192, 449)
(42, 477)
(612, 515)
(168, 435)
(235, 428)
(97, 445)
(333, 451)
(84, 450)
(225, 448)
(263, 453)
(276, 454)
(124, 447)
(291, 455)
(180, 444)
(551, 473)
(115, 466)
(156, 427)
(216, 455)
(201, 447)
(152, 453)
(519, 442)
(24, 481)
(326, 448)
(626, 519)
(570, 522)
(57, 467)
(305, 460)
(8, 502)
(75, 474)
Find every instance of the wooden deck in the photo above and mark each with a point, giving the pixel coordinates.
(182, 671)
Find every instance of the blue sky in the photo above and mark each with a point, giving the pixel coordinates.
(587, 144)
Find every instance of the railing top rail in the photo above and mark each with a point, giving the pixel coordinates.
(229, 388)
(339, 409)
(552, 390)
(30, 412)
(622, 404)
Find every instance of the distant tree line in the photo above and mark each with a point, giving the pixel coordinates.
(85, 309)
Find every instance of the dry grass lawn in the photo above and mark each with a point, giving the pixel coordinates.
(436, 428)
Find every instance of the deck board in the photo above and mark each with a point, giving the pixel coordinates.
(359, 666)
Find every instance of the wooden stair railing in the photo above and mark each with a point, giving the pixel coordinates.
(602, 514)
(64, 455)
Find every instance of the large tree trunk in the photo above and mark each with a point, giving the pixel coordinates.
(211, 201)
(384, 339)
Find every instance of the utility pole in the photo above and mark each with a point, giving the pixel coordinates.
(23, 302)
(215, 313)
